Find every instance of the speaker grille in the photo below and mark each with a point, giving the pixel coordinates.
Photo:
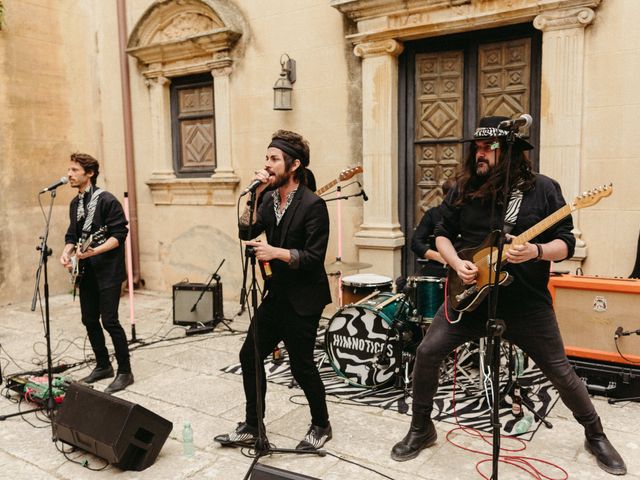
(208, 308)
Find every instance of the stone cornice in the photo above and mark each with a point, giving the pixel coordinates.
(412, 19)
(205, 44)
(373, 49)
(215, 190)
(564, 19)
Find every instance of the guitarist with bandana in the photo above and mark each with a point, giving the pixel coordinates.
(97, 215)
(525, 305)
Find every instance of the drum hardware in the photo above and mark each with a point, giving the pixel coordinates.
(397, 296)
(368, 297)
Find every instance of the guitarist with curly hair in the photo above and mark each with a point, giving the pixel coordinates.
(97, 221)
(469, 216)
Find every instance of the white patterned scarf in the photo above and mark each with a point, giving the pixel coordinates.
(276, 204)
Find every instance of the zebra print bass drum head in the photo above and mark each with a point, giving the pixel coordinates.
(357, 337)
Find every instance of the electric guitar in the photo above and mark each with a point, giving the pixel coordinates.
(344, 175)
(466, 297)
(82, 246)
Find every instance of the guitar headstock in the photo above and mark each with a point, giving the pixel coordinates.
(593, 196)
(349, 172)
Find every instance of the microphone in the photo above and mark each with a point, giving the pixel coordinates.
(523, 121)
(54, 185)
(251, 188)
(620, 332)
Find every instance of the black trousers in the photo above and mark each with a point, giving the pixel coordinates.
(276, 320)
(94, 305)
(534, 331)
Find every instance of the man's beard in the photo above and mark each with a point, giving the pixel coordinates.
(484, 172)
(281, 180)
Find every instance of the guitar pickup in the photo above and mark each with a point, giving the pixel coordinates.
(466, 293)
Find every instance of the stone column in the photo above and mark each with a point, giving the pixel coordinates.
(159, 102)
(562, 104)
(380, 238)
(222, 108)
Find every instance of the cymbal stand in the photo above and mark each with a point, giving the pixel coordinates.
(338, 199)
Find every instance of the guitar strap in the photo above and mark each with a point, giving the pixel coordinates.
(91, 210)
(515, 201)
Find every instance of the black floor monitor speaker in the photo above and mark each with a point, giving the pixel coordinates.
(208, 309)
(123, 433)
(265, 472)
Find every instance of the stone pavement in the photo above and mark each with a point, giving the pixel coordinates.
(181, 380)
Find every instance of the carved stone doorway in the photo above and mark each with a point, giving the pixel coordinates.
(446, 85)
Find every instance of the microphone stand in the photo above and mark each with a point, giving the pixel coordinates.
(262, 446)
(496, 327)
(45, 252)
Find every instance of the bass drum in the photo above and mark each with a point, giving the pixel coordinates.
(356, 336)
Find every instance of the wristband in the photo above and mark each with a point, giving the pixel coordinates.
(539, 257)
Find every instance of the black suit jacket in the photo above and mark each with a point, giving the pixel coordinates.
(305, 229)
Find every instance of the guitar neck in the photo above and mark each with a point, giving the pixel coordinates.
(329, 185)
(541, 226)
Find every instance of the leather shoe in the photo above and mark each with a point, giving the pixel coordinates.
(98, 373)
(122, 381)
(422, 434)
(598, 444)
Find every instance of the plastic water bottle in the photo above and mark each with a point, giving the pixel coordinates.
(188, 448)
(519, 367)
(523, 425)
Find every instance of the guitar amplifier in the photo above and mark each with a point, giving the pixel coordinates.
(590, 310)
(206, 299)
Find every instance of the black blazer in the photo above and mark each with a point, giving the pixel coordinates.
(305, 229)
(109, 267)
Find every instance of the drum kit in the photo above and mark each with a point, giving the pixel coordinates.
(371, 339)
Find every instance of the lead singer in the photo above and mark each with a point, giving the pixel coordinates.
(296, 223)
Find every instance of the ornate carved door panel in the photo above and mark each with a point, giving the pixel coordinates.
(447, 84)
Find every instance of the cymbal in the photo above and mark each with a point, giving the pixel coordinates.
(340, 266)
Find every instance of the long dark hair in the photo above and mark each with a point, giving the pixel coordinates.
(472, 186)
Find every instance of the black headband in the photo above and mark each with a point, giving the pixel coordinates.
(289, 149)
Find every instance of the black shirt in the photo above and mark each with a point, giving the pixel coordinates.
(472, 222)
(424, 239)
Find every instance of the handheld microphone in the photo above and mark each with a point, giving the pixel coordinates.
(54, 185)
(523, 121)
(620, 332)
(251, 188)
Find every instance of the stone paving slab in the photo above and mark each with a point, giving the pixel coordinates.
(180, 379)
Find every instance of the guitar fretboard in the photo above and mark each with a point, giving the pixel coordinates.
(329, 185)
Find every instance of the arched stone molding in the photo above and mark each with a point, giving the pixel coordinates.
(182, 37)
(382, 25)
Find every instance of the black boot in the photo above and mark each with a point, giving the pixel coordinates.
(599, 445)
(422, 434)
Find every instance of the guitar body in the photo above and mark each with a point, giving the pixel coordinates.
(465, 298)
